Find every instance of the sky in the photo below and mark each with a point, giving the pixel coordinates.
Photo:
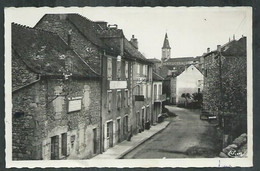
(190, 30)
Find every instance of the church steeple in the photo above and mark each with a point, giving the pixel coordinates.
(166, 44)
(166, 49)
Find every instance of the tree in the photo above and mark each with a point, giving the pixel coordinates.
(186, 96)
(198, 97)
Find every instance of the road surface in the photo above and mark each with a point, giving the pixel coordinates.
(186, 136)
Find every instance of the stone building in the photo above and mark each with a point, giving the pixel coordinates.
(225, 85)
(55, 98)
(106, 50)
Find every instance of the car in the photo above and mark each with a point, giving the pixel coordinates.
(207, 116)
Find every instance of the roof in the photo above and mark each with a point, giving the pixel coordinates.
(154, 60)
(232, 48)
(157, 77)
(166, 44)
(180, 59)
(45, 52)
(81, 23)
(95, 32)
(163, 70)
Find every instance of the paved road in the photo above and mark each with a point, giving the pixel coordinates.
(186, 136)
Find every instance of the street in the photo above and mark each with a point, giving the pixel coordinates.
(185, 137)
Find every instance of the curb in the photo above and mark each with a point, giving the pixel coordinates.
(140, 143)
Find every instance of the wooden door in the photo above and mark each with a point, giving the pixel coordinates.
(55, 148)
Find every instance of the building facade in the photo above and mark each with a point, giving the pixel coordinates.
(225, 85)
(106, 50)
(158, 97)
(189, 81)
(55, 96)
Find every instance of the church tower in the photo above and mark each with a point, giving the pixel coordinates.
(166, 49)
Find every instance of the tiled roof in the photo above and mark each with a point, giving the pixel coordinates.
(102, 37)
(163, 70)
(131, 50)
(232, 48)
(180, 59)
(45, 52)
(154, 60)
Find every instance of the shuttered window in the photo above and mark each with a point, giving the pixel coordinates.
(64, 144)
(126, 70)
(109, 100)
(109, 68)
(118, 96)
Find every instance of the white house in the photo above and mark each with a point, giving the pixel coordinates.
(189, 81)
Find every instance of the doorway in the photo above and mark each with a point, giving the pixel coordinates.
(110, 134)
(95, 140)
(55, 147)
(118, 130)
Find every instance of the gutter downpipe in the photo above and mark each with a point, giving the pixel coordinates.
(101, 99)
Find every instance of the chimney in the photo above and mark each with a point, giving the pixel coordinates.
(233, 37)
(208, 50)
(229, 39)
(218, 48)
(69, 38)
(134, 41)
(112, 26)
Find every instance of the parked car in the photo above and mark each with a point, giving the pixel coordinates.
(207, 116)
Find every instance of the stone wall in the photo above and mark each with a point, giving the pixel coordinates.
(22, 75)
(233, 98)
(43, 109)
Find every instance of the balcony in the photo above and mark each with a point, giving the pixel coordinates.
(160, 98)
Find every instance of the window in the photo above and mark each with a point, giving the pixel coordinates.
(109, 68)
(126, 98)
(138, 90)
(144, 90)
(149, 91)
(125, 125)
(155, 91)
(144, 70)
(64, 144)
(206, 72)
(138, 69)
(108, 133)
(118, 96)
(72, 140)
(126, 70)
(55, 147)
(18, 114)
(160, 89)
(109, 100)
(118, 68)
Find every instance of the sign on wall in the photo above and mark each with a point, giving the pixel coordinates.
(117, 84)
(74, 104)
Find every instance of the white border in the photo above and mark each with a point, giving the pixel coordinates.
(213, 162)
